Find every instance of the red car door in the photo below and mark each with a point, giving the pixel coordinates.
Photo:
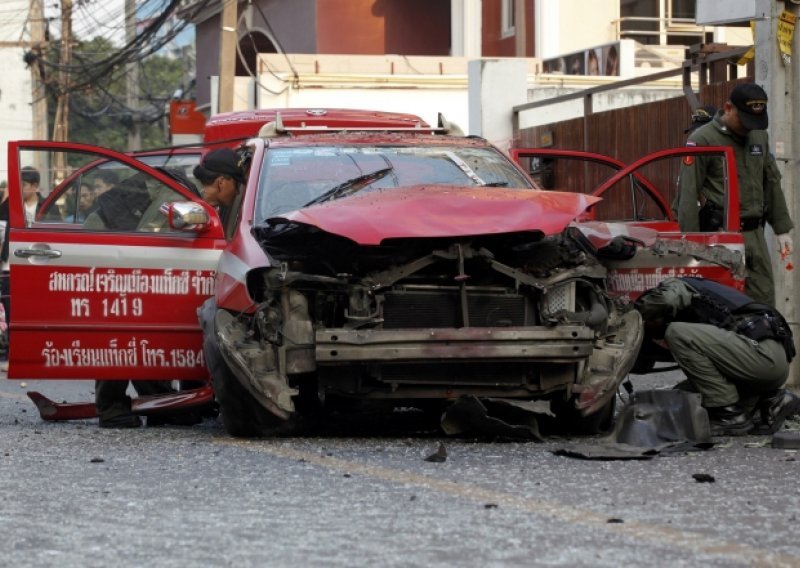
(101, 286)
(636, 205)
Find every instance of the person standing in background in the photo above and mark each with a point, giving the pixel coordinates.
(741, 124)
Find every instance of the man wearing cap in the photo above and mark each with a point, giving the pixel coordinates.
(220, 174)
(701, 116)
(740, 124)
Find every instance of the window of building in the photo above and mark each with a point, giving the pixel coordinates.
(507, 18)
(660, 22)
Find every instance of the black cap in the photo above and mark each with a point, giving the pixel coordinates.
(30, 175)
(751, 101)
(222, 161)
(701, 116)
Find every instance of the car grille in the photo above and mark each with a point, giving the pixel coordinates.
(408, 310)
(452, 374)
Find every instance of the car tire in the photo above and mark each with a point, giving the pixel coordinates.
(242, 416)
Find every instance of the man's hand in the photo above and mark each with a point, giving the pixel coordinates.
(784, 244)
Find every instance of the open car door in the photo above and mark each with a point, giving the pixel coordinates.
(636, 206)
(102, 286)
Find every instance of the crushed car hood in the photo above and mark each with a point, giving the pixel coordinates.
(442, 211)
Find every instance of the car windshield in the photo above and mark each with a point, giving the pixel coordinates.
(293, 178)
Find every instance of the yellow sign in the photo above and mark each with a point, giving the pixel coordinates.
(750, 53)
(785, 33)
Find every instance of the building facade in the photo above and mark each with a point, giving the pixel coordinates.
(16, 117)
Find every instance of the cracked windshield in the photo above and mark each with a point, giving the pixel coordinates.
(296, 177)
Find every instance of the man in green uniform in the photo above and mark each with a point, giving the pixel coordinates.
(734, 351)
(740, 124)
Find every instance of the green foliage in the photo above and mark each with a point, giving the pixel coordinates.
(99, 113)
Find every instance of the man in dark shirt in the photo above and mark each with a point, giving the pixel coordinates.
(221, 175)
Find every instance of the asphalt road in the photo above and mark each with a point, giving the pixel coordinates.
(74, 495)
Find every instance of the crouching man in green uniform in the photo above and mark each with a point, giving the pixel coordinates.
(734, 351)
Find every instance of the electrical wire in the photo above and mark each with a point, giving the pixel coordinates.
(90, 97)
(144, 44)
(243, 59)
(296, 76)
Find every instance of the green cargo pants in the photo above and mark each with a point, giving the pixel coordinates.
(725, 367)
(759, 282)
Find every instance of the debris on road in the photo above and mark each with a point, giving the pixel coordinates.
(703, 478)
(786, 440)
(439, 456)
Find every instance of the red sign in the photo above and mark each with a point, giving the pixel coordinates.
(184, 119)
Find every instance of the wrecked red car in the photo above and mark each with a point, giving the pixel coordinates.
(414, 270)
(395, 268)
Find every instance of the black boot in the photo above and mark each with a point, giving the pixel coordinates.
(121, 421)
(775, 407)
(729, 420)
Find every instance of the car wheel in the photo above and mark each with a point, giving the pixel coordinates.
(242, 416)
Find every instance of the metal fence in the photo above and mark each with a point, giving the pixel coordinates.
(631, 132)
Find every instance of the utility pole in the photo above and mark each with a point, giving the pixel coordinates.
(38, 95)
(227, 55)
(132, 79)
(61, 123)
(61, 126)
(782, 84)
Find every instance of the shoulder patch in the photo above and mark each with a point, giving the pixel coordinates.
(691, 143)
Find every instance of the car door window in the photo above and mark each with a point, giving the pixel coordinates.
(104, 302)
(633, 198)
(85, 191)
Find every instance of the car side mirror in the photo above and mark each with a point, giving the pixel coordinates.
(186, 216)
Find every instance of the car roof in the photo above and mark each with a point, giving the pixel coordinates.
(378, 138)
(241, 125)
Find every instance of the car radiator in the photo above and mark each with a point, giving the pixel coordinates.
(443, 309)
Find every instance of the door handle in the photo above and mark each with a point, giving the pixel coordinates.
(46, 253)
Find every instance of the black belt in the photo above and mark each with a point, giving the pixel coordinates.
(751, 223)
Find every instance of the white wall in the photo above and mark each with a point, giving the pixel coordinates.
(424, 86)
(495, 87)
(16, 115)
(600, 102)
(425, 103)
(565, 26)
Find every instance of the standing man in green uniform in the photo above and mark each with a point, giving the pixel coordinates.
(734, 351)
(740, 124)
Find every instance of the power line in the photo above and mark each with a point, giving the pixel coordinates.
(90, 74)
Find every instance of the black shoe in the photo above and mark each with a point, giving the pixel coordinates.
(121, 421)
(729, 421)
(775, 407)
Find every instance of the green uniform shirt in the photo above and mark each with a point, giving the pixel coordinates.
(760, 195)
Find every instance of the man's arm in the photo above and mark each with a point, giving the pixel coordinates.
(776, 210)
(665, 300)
